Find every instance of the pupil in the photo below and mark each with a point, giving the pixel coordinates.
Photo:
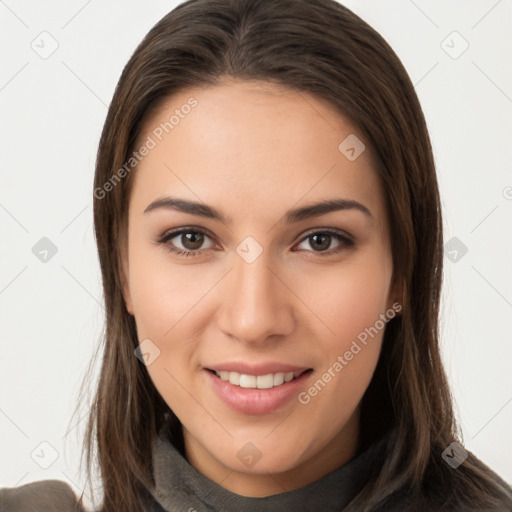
(324, 245)
(192, 241)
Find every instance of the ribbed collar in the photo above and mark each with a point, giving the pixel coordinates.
(180, 487)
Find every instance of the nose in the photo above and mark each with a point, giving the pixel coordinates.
(256, 303)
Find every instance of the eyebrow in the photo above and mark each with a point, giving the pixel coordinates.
(291, 216)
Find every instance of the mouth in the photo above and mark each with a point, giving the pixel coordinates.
(267, 381)
(257, 391)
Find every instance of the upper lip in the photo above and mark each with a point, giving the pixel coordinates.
(257, 369)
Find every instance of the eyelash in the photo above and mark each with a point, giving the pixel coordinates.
(164, 240)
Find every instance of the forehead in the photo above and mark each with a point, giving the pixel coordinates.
(249, 143)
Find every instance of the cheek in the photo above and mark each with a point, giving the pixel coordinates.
(351, 305)
(163, 300)
(162, 294)
(350, 302)
(167, 302)
(349, 297)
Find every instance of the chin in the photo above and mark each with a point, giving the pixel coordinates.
(261, 456)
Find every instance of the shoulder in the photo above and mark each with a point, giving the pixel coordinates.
(470, 487)
(52, 495)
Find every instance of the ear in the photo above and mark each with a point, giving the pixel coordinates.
(396, 294)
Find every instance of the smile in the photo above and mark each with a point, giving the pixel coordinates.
(271, 380)
(257, 394)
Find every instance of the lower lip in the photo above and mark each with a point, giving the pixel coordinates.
(256, 401)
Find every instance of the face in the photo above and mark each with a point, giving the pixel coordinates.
(239, 285)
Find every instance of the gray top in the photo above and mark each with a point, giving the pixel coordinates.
(182, 488)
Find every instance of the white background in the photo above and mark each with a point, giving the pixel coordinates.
(52, 113)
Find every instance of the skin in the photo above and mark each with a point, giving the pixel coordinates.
(253, 151)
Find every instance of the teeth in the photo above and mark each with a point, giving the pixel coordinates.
(233, 377)
(278, 379)
(248, 381)
(257, 382)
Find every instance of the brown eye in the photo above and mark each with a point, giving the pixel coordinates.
(320, 242)
(186, 242)
(192, 241)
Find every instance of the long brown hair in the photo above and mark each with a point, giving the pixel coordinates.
(319, 47)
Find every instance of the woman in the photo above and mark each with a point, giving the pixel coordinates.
(269, 231)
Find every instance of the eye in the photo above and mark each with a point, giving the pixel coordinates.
(320, 241)
(187, 242)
